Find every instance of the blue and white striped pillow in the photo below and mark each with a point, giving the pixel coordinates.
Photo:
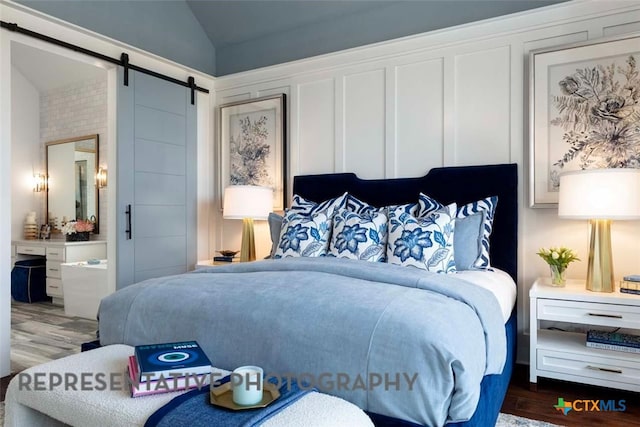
(486, 206)
(303, 206)
(358, 206)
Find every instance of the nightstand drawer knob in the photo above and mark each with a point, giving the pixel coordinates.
(613, 316)
(597, 368)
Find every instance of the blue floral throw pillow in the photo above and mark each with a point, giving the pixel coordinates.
(359, 236)
(486, 207)
(425, 243)
(306, 207)
(304, 235)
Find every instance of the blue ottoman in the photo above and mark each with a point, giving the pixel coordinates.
(28, 281)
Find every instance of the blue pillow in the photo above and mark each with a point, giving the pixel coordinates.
(359, 236)
(488, 208)
(275, 225)
(467, 242)
(481, 243)
(304, 235)
(425, 243)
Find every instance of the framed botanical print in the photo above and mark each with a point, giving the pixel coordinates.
(253, 145)
(584, 112)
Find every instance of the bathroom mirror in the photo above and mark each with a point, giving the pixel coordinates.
(72, 192)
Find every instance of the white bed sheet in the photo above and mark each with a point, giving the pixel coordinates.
(497, 282)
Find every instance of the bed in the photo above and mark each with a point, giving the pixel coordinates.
(285, 316)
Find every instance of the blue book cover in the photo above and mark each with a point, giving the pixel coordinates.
(171, 359)
(632, 278)
(614, 338)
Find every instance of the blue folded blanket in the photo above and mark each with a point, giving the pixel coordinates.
(194, 409)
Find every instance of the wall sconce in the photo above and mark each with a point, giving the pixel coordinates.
(39, 183)
(101, 178)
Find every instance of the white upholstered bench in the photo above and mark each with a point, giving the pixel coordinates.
(58, 405)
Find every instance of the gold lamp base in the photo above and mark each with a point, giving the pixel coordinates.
(600, 268)
(248, 248)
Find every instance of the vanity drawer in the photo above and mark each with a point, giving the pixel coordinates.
(54, 288)
(54, 269)
(30, 250)
(56, 254)
(589, 313)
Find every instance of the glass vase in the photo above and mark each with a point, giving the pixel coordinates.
(558, 277)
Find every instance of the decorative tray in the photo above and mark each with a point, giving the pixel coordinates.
(223, 396)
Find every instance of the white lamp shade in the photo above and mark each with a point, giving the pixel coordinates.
(247, 201)
(600, 194)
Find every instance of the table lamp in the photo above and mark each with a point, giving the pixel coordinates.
(247, 202)
(600, 195)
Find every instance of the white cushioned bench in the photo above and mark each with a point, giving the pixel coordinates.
(59, 406)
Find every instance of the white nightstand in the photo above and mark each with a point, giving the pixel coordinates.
(564, 355)
(206, 263)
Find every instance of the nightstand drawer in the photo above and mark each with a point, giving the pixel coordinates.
(588, 313)
(54, 269)
(589, 366)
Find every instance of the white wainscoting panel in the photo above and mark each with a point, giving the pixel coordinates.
(482, 107)
(316, 127)
(419, 115)
(364, 123)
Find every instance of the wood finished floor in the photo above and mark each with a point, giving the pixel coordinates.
(539, 404)
(41, 332)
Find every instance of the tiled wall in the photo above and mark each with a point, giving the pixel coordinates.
(76, 110)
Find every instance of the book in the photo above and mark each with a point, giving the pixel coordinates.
(613, 347)
(223, 258)
(632, 278)
(145, 388)
(630, 291)
(613, 341)
(171, 360)
(625, 284)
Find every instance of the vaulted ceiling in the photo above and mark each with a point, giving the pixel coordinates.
(227, 36)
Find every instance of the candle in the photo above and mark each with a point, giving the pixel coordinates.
(246, 382)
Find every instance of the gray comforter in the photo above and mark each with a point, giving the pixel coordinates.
(396, 341)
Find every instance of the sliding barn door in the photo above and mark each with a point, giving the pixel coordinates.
(156, 179)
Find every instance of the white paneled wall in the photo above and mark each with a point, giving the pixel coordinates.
(451, 97)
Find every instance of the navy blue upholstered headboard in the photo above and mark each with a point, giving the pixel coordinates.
(462, 185)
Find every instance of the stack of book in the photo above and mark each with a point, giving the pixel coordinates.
(630, 284)
(613, 341)
(163, 368)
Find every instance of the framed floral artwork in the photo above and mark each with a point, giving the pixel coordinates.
(253, 145)
(584, 112)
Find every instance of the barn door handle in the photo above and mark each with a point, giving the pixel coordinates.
(128, 230)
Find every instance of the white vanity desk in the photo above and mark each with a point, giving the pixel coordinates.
(57, 252)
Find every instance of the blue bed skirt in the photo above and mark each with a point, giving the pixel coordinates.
(493, 390)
